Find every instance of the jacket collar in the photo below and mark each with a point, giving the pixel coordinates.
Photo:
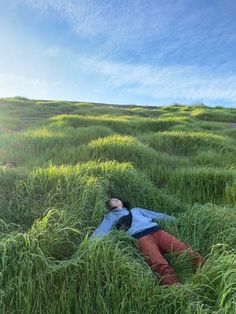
(118, 209)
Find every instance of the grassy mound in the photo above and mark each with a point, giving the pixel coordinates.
(214, 114)
(204, 184)
(38, 147)
(157, 166)
(209, 157)
(82, 189)
(186, 142)
(121, 124)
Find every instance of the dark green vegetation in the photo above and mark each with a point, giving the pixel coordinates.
(60, 161)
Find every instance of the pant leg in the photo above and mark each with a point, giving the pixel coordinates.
(168, 244)
(151, 252)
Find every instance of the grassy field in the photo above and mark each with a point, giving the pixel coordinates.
(60, 161)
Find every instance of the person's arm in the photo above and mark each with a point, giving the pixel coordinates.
(104, 227)
(152, 214)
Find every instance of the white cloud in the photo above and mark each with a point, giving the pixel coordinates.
(128, 26)
(132, 18)
(174, 82)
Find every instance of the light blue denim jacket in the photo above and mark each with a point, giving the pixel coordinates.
(142, 219)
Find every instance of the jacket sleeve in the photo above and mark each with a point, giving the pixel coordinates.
(104, 227)
(152, 214)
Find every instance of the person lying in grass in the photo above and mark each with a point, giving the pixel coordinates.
(152, 240)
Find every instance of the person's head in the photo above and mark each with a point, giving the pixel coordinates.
(114, 202)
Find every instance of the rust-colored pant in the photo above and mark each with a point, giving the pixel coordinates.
(153, 245)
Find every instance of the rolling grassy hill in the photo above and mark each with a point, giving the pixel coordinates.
(60, 161)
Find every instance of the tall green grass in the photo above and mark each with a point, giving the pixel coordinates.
(82, 189)
(158, 166)
(203, 184)
(60, 162)
(41, 145)
(54, 263)
(228, 115)
(121, 124)
(186, 142)
(209, 157)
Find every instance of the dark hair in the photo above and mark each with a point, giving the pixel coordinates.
(126, 204)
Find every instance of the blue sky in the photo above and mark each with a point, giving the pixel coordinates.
(148, 52)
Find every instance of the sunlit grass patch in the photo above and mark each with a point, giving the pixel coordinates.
(19, 101)
(158, 124)
(186, 142)
(157, 165)
(121, 124)
(84, 104)
(98, 111)
(54, 105)
(131, 184)
(146, 112)
(185, 108)
(84, 121)
(173, 108)
(121, 148)
(81, 189)
(39, 146)
(185, 127)
(173, 113)
(104, 110)
(26, 197)
(20, 115)
(215, 114)
(124, 181)
(65, 136)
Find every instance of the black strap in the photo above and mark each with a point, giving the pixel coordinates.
(124, 223)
